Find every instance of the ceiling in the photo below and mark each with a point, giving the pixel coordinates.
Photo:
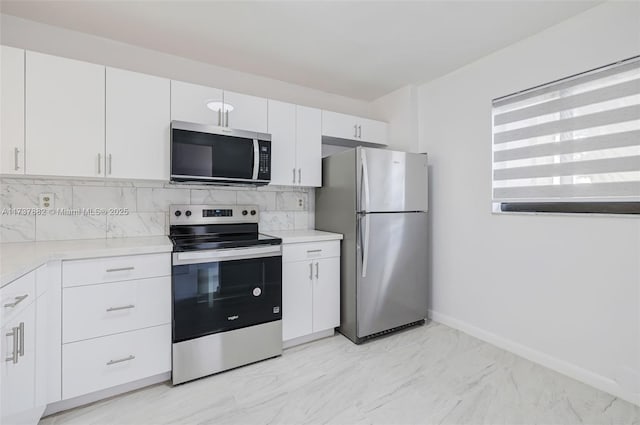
(360, 49)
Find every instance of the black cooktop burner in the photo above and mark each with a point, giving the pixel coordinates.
(218, 236)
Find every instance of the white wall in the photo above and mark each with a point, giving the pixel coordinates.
(561, 290)
(400, 110)
(43, 38)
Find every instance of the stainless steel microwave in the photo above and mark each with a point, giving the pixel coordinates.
(219, 155)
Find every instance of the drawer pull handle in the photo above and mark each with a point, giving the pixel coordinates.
(310, 251)
(15, 333)
(17, 301)
(126, 359)
(120, 269)
(21, 345)
(124, 307)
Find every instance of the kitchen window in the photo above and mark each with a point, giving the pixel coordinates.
(570, 146)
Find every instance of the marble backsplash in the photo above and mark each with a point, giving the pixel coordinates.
(281, 208)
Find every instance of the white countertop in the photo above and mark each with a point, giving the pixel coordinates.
(298, 236)
(19, 258)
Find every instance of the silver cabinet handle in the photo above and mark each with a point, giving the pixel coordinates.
(355, 131)
(359, 132)
(310, 271)
(110, 163)
(17, 301)
(299, 175)
(226, 118)
(21, 345)
(294, 176)
(124, 307)
(317, 270)
(99, 163)
(15, 333)
(219, 117)
(309, 251)
(120, 269)
(16, 151)
(126, 359)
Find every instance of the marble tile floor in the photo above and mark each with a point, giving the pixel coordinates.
(426, 375)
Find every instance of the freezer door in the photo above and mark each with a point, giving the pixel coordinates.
(392, 271)
(391, 180)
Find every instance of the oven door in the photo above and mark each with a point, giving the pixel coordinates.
(220, 290)
(217, 154)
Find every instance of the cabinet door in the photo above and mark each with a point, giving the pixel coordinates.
(138, 117)
(64, 116)
(339, 125)
(326, 294)
(373, 131)
(189, 103)
(12, 110)
(282, 127)
(245, 112)
(309, 146)
(18, 379)
(296, 300)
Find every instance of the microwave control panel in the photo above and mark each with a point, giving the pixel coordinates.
(264, 166)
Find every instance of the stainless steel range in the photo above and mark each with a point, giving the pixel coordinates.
(227, 290)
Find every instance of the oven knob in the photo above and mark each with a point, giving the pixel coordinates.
(245, 212)
(178, 213)
(257, 292)
(188, 213)
(253, 212)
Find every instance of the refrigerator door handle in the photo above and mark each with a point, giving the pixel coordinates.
(365, 245)
(365, 180)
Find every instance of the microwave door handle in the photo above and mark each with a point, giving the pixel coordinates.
(256, 159)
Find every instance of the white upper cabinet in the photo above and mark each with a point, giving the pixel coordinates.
(138, 117)
(349, 127)
(282, 126)
(309, 146)
(373, 131)
(296, 144)
(12, 109)
(189, 102)
(244, 112)
(339, 125)
(65, 117)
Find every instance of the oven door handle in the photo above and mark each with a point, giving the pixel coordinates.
(256, 159)
(212, 256)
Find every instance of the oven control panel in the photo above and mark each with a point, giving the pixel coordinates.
(213, 214)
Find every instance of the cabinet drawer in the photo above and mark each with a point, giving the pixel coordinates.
(16, 296)
(100, 363)
(113, 269)
(310, 250)
(109, 308)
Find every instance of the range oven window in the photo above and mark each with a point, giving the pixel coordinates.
(211, 155)
(220, 296)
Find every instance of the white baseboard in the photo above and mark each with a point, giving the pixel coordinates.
(59, 406)
(583, 375)
(308, 338)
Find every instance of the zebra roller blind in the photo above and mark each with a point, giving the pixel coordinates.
(573, 140)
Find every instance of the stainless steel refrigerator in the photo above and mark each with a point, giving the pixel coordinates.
(378, 200)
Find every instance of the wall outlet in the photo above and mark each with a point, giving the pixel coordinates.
(46, 200)
(300, 203)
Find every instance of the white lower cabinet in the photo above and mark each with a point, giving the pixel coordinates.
(24, 350)
(18, 368)
(116, 321)
(310, 289)
(98, 310)
(100, 363)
